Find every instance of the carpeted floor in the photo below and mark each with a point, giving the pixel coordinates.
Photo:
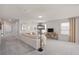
(55, 47)
(13, 46)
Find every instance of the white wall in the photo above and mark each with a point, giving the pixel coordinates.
(57, 28)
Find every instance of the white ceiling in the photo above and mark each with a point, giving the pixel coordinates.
(31, 12)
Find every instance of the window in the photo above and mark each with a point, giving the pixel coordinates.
(24, 27)
(65, 28)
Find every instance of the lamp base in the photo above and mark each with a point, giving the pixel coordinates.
(40, 49)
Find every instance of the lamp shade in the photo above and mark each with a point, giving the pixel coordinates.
(40, 26)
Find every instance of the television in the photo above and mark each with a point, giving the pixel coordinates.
(50, 30)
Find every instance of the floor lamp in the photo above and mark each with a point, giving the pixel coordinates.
(40, 27)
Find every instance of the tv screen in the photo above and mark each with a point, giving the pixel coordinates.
(50, 30)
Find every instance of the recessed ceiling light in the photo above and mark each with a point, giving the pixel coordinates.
(41, 21)
(40, 16)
